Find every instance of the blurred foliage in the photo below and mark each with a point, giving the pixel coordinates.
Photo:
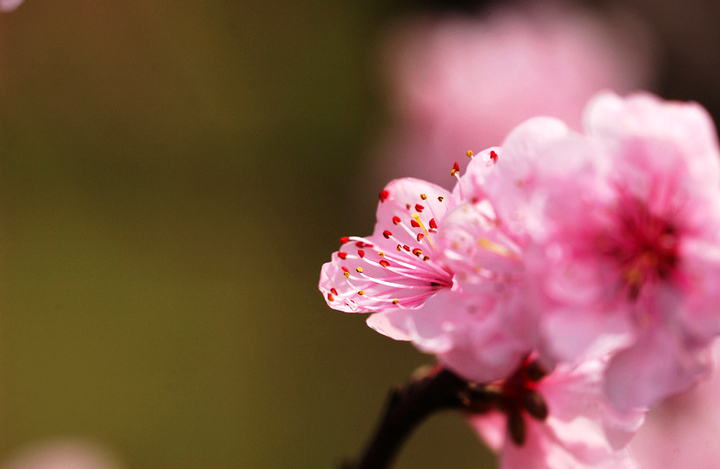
(172, 178)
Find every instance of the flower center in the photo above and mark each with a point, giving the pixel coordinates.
(644, 246)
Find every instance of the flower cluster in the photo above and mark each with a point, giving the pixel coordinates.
(592, 256)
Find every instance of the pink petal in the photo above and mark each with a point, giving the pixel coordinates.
(655, 367)
(393, 267)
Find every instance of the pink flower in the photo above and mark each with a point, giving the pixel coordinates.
(559, 420)
(625, 229)
(9, 5)
(682, 432)
(464, 82)
(62, 455)
(427, 278)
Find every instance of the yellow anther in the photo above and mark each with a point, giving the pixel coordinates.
(422, 225)
(359, 270)
(361, 292)
(469, 153)
(423, 196)
(498, 249)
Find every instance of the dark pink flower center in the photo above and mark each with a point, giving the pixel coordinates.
(644, 246)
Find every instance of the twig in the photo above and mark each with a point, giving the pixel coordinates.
(407, 407)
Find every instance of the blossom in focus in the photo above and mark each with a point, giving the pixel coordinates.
(556, 420)
(463, 82)
(9, 5)
(411, 275)
(625, 228)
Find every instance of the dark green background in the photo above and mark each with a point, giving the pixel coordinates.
(172, 177)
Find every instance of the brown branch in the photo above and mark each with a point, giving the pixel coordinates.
(407, 407)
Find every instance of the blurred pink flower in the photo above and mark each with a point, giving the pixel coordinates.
(682, 432)
(62, 455)
(425, 282)
(559, 420)
(9, 5)
(460, 83)
(626, 224)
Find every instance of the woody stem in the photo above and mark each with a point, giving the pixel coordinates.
(406, 408)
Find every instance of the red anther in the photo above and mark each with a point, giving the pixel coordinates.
(360, 244)
(344, 269)
(384, 194)
(396, 220)
(387, 234)
(406, 247)
(433, 224)
(361, 253)
(384, 263)
(456, 167)
(333, 291)
(344, 239)
(414, 223)
(493, 156)
(419, 207)
(420, 236)
(369, 246)
(417, 252)
(342, 255)
(330, 297)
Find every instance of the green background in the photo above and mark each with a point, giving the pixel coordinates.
(172, 177)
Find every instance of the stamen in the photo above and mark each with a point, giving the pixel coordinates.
(493, 156)
(419, 207)
(384, 263)
(496, 248)
(455, 170)
(396, 220)
(387, 234)
(469, 154)
(344, 239)
(361, 253)
(342, 255)
(384, 194)
(423, 196)
(416, 218)
(361, 292)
